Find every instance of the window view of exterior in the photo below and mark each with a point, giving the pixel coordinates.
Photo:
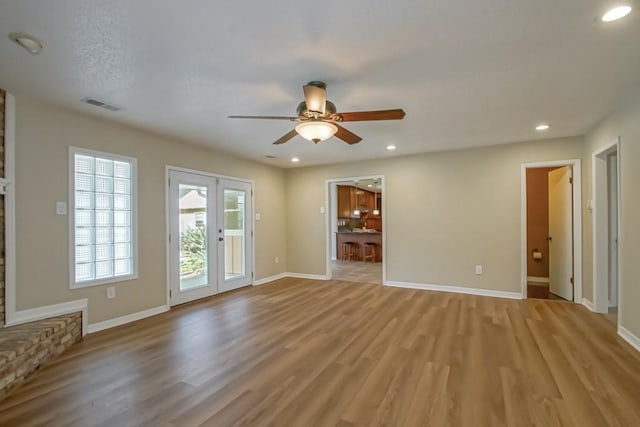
(193, 236)
(234, 233)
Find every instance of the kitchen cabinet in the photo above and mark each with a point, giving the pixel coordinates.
(346, 195)
(351, 198)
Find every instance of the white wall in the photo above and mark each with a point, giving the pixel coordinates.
(625, 123)
(445, 213)
(43, 135)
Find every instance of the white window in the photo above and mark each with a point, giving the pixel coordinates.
(102, 218)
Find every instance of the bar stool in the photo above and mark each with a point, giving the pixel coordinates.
(348, 251)
(369, 252)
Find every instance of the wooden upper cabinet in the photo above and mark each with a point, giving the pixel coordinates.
(350, 198)
(344, 201)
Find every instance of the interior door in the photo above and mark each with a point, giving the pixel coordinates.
(192, 218)
(235, 234)
(561, 232)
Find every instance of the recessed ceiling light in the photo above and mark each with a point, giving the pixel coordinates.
(616, 13)
(391, 147)
(30, 43)
(295, 159)
(542, 127)
(370, 185)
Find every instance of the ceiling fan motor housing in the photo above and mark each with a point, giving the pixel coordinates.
(302, 110)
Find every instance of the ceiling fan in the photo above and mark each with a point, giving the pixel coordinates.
(318, 118)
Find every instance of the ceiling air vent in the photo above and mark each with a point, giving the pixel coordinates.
(95, 102)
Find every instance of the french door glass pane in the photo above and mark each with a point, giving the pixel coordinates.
(234, 233)
(192, 207)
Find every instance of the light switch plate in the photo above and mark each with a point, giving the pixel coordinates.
(478, 269)
(61, 208)
(258, 216)
(321, 209)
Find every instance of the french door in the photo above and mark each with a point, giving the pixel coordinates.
(210, 236)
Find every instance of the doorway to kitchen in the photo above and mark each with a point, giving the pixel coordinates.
(210, 234)
(356, 229)
(551, 230)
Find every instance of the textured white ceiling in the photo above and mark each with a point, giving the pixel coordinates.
(468, 73)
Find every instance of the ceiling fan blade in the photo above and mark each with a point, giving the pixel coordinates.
(315, 95)
(358, 116)
(265, 117)
(286, 137)
(346, 135)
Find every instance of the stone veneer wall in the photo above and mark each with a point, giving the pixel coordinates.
(2, 310)
(24, 348)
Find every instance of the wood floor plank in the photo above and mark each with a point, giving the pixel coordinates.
(301, 352)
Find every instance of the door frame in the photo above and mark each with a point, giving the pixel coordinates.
(600, 213)
(577, 222)
(330, 208)
(168, 168)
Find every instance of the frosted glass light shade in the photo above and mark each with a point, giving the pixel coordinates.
(316, 131)
(616, 13)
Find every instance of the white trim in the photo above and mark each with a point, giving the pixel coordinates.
(577, 222)
(209, 174)
(587, 304)
(537, 279)
(71, 220)
(10, 208)
(167, 233)
(307, 276)
(454, 289)
(327, 203)
(269, 279)
(47, 311)
(118, 321)
(629, 337)
(601, 249)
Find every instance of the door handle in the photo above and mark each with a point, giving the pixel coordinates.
(220, 239)
(549, 239)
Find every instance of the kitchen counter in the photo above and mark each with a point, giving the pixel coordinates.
(359, 238)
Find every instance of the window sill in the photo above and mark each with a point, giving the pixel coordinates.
(110, 280)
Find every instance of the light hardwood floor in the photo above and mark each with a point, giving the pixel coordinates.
(303, 352)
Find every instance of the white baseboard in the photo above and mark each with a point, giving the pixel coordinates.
(588, 304)
(307, 276)
(32, 314)
(629, 337)
(537, 279)
(111, 323)
(455, 289)
(269, 279)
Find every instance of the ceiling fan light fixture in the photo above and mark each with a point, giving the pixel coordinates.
(316, 131)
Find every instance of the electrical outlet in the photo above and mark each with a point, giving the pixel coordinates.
(277, 260)
(479, 269)
(111, 292)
